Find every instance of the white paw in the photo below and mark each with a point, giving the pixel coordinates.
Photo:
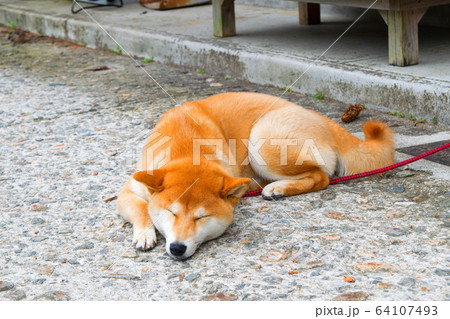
(144, 238)
(274, 190)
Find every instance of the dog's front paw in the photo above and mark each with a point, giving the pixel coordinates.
(144, 238)
(273, 191)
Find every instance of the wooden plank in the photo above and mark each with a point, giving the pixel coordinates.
(380, 4)
(171, 4)
(384, 4)
(404, 36)
(384, 15)
(308, 13)
(223, 18)
(416, 4)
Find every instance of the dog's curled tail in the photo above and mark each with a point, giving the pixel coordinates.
(377, 131)
(376, 151)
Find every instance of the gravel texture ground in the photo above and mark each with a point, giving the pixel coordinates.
(72, 121)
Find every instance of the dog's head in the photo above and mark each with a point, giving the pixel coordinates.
(191, 205)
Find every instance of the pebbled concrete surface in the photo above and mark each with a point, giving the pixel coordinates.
(270, 48)
(69, 138)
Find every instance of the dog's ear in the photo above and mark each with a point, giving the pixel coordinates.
(234, 187)
(152, 179)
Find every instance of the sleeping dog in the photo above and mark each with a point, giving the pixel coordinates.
(204, 155)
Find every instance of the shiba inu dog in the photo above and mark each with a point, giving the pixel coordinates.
(204, 155)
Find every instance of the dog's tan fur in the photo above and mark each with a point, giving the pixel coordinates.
(175, 196)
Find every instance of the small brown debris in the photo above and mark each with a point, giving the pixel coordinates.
(38, 208)
(395, 213)
(110, 199)
(349, 279)
(437, 215)
(295, 261)
(16, 295)
(36, 232)
(352, 296)
(351, 113)
(259, 266)
(6, 285)
(330, 237)
(383, 285)
(96, 68)
(293, 272)
(181, 277)
(264, 208)
(94, 174)
(145, 269)
(53, 295)
(335, 215)
(274, 255)
(220, 296)
(314, 264)
(17, 36)
(46, 270)
(125, 224)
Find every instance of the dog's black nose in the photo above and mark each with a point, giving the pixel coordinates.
(177, 249)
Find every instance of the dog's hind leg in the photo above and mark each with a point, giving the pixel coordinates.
(134, 209)
(292, 148)
(309, 181)
(293, 176)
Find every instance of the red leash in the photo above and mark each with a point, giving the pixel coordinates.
(375, 171)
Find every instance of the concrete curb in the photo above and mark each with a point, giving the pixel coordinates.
(424, 98)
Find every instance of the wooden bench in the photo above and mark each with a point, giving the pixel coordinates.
(401, 16)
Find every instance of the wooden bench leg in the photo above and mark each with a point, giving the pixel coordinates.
(223, 18)
(308, 13)
(403, 32)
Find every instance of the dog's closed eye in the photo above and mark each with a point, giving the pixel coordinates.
(201, 217)
(170, 211)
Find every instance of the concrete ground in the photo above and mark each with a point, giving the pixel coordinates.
(271, 48)
(72, 121)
